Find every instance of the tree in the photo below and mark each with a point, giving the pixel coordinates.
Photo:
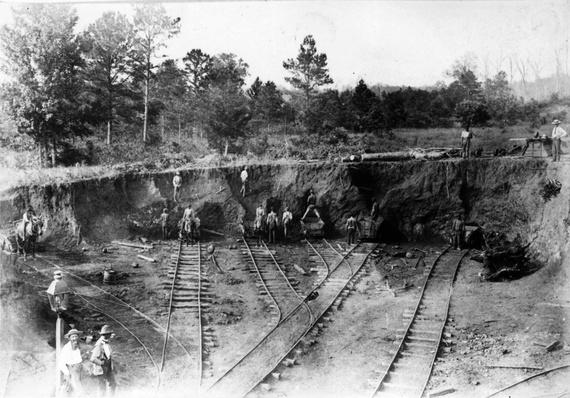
(362, 102)
(109, 63)
(469, 107)
(42, 59)
(227, 113)
(197, 65)
(501, 103)
(171, 91)
(267, 101)
(223, 106)
(471, 113)
(227, 70)
(309, 70)
(153, 28)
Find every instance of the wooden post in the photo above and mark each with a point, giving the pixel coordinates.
(58, 336)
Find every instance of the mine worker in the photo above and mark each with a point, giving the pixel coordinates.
(70, 363)
(374, 211)
(258, 223)
(351, 227)
(458, 230)
(557, 134)
(287, 219)
(311, 205)
(243, 176)
(466, 137)
(188, 214)
(164, 223)
(177, 183)
(241, 226)
(260, 211)
(272, 221)
(28, 217)
(102, 359)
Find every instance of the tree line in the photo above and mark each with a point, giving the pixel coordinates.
(64, 84)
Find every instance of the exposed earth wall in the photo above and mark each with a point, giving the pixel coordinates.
(500, 195)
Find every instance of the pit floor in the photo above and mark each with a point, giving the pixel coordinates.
(493, 324)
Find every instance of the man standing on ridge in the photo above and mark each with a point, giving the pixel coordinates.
(243, 176)
(177, 183)
(466, 137)
(557, 134)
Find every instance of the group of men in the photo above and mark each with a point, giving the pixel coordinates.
(101, 368)
(270, 223)
(557, 134)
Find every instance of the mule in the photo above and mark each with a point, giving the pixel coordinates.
(26, 240)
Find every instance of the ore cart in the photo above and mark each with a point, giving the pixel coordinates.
(313, 227)
(368, 229)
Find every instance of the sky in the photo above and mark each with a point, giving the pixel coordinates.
(383, 42)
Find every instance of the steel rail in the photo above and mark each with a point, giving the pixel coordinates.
(409, 325)
(320, 256)
(440, 334)
(413, 318)
(103, 312)
(122, 302)
(282, 272)
(336, 296)
(200, 333)
(272, 330)
(263, 283)
(337, 252)
(176, 266)
(527, 379)
(301, 299)
(145, 348)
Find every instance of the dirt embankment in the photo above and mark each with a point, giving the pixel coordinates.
(501, 195)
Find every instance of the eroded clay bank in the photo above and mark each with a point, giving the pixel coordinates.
(500, 195)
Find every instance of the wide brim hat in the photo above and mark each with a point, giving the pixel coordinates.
(72, 332)
(556, 121)
(106, 329)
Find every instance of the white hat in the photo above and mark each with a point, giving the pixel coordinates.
(556, 121)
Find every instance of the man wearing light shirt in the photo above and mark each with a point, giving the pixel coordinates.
(69, 362)
(557, 134)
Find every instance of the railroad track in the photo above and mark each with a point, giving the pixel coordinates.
(272, 350)
(271, 280)
(101, 307)
(188, 299)
(409, 370)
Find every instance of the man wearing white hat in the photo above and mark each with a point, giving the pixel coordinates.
(557, 134)
(102, 359)
(70, 362)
